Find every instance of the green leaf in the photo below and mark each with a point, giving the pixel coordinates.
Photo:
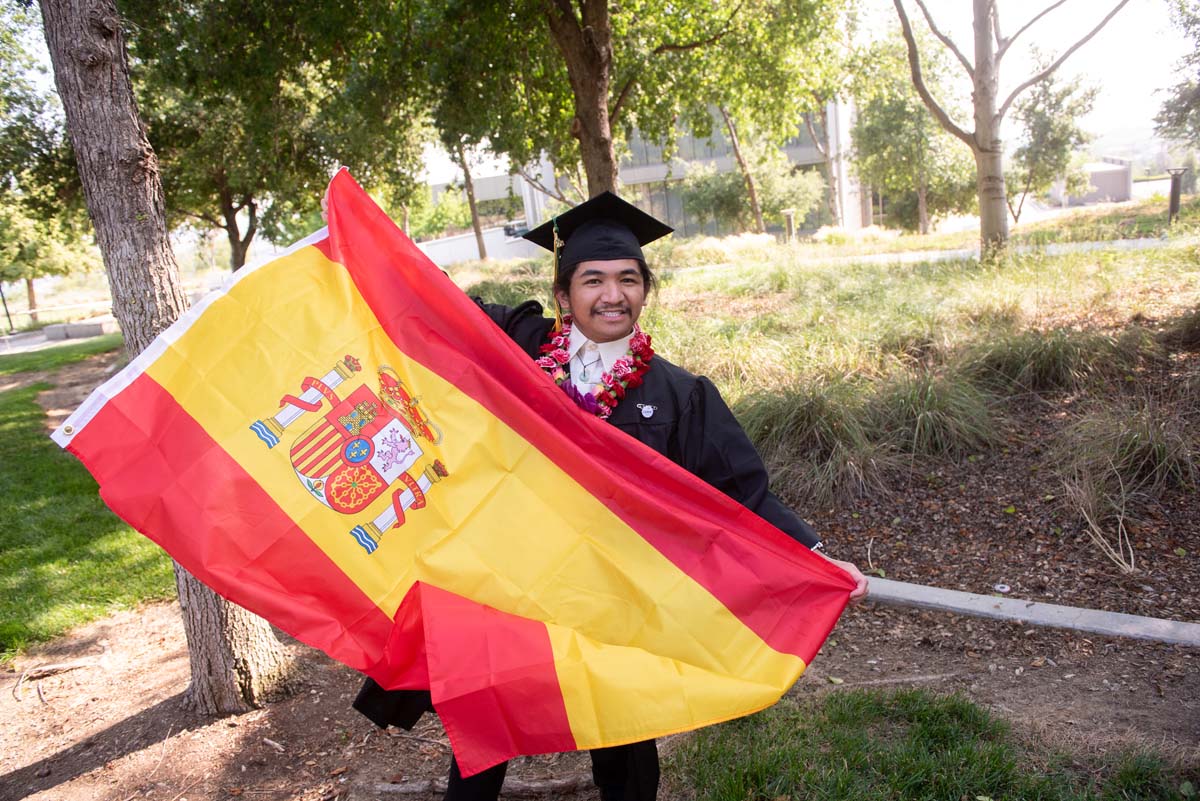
(1181, 552)
(1010, 510)
(834, 680)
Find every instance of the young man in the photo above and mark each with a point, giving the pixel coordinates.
(603, 361)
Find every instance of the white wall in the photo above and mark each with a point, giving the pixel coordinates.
(454, 249)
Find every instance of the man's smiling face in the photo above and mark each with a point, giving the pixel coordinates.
(605, 298)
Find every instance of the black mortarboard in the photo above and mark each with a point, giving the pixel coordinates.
(601, 229)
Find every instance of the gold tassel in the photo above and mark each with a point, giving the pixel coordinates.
(558, 315)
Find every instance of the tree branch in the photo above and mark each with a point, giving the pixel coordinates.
(822, 147)
(914, 62)
(995, 12)
(252, 226)
(204, 218)
(1002, 47)
(1044, 73)
(617, 106)
(943, 38)
(539, 186)
(670, 47)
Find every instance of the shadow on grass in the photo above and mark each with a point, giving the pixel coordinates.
(64, 557)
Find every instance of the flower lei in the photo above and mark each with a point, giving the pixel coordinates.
(626, 373)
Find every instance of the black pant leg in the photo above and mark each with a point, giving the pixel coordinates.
(483, 786)
(626, 772)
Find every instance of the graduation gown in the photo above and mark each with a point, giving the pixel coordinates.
(687, 421)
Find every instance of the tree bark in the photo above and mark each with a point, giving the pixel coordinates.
(239, 243)
(469, 185)
(832, 197)
(922, 208)
(123, 192)
(989, 150)
(31, 296)
(586, 45)
(751, 191)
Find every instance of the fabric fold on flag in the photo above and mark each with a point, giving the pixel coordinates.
(342, 442)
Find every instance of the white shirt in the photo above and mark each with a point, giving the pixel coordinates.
(585, 371)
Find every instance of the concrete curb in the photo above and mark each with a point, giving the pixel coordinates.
(1111, 624)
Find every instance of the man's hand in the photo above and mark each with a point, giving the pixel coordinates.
(860, 581)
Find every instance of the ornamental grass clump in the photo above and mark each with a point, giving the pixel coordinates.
(933, 414)
(1057, 360)
(1183, 333)
(915, 338)
(815, 441)
(1118, 460)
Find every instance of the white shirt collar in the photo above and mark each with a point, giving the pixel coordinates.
(609, 351)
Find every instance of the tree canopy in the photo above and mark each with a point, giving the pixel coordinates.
(1179, 117)
(899, 148)
(250, 111)
(571, 80)
(1050, 135)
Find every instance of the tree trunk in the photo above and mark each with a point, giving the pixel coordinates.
(922, 208)
(121, 187)
(236, 660)
(31, 296)
(587, 50)
(832, 198)
(239, 244)
(470, 188)
(989, 150)
(751, 191)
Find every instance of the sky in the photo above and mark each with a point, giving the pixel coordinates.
(1132, 59)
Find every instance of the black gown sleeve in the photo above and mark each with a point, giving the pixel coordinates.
(714, 447)
(524, 324)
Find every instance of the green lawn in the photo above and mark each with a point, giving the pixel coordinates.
(64, 558)
(59, 356)
(907, 745)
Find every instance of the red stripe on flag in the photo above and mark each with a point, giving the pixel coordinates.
(789, 597)
(162, 473)
(492, 679)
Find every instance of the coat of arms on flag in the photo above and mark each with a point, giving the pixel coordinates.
(360, 448)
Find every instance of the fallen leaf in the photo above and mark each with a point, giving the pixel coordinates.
(1010, 510)
(338, 771)
(834, 680)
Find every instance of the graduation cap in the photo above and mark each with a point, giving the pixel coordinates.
(601, 229)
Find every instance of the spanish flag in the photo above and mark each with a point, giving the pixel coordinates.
(342, 442)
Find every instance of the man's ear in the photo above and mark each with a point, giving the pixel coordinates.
(563, 299)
